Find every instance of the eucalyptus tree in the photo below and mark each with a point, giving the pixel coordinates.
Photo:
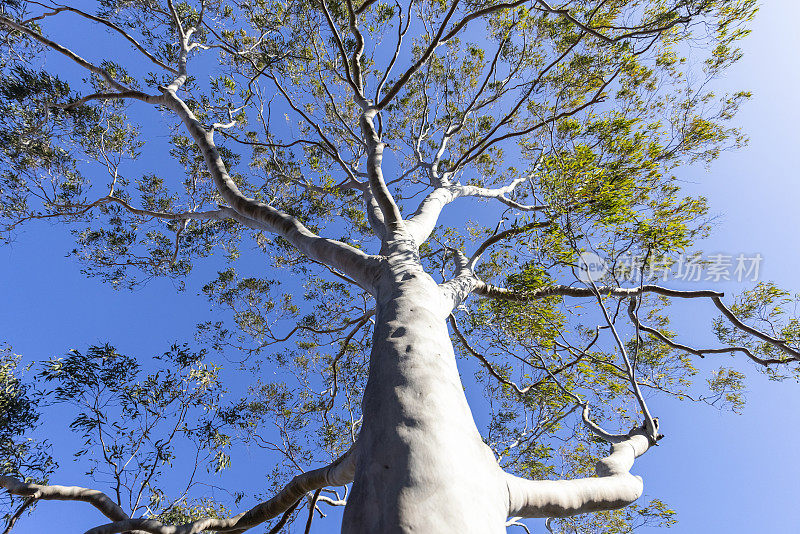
(345, 142)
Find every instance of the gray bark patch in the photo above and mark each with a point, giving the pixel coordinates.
(400, 332)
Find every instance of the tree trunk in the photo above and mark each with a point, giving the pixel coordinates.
(421, 465)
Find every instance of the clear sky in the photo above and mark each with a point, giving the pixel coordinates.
(721, 472)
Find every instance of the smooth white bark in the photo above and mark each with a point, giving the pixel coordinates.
(421, 464)
(338, 473)
(338, 255)
(613, 488)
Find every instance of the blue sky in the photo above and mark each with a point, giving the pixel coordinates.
(721, 472)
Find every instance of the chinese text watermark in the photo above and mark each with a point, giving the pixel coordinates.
(716, 267)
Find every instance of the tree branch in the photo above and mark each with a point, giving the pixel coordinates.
(793, 353)
(489, 367)
(96, 498)
(722, 350)
(338, 473)
(477, 14)
(346, 258)
(59, 8)
(421, 224)
(393, 221)
(340, 45)
(613, 487)
(488, 290)
(650, 423)
(499, 236)
(455, 290)
(395, 88)
(12, 520)
(79, 60)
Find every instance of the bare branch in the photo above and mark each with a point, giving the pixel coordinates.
(514, 522)
(338, 39)
(77, 59)
(112, 26)
(497, 237)
(613, 487)
(793, 353)
(312, 505)
(421, 224)
(355, 61)
(637, 33)
(346, 258)
(544, 6)
(703, 352)
(491, 291)
(104, 96)
(650, 424)
(395, 88)
(363, 7)
(489, 367)
(96, 498)
(27, 503)
(455, 290)
(595, 429)
(391, 212)
(478, 14)
(338, 473)
(401, 32)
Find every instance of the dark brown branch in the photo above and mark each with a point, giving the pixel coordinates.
(487, 141)
(27, 503)
(544, 6)
(491, 291)
(634, 32)
(284, 519)
(511, 232)
(477, 14)
(779, 343)
(489, 367)
(340, 45)
(392, 92)
(703, 352)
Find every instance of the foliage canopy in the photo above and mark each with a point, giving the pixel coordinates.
(213, 130)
